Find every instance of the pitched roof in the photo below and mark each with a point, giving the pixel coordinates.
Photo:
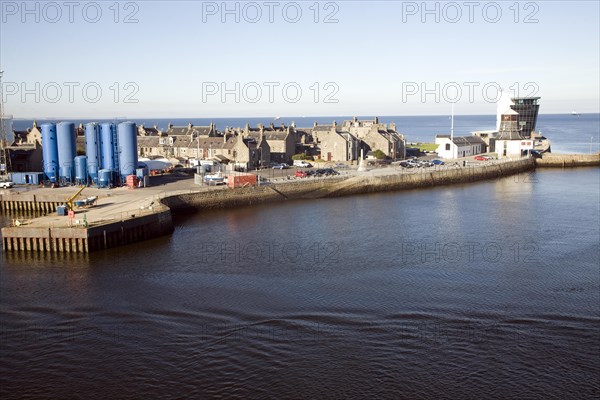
(147, 141)
(201, 130)
(269, 135)
(322, 128)
(467, 140)
(178, 130)
(213, 142)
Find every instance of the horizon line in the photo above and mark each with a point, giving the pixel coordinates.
(273, 118)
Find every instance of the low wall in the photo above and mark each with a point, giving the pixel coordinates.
(553, 160)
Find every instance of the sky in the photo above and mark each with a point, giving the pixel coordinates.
(178, 59)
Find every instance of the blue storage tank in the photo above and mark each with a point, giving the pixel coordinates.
(127, 139)
(105, 178)
(50, 151)
(67, 151)
(92, 150)
(81, 174)
(107, 146)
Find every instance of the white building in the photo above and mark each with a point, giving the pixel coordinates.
(509, 142)
(459, 146)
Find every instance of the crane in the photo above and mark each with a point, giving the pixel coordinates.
(69, 203)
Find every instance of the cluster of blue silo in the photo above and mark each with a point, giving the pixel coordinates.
(111, 153)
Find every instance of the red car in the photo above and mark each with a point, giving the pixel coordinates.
(301, 174)
(481, 158)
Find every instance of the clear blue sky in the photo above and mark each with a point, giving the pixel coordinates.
(175, 58)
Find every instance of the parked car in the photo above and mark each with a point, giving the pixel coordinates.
(326, 172)
(406, 164)
(437, 162)
(481, 158)
(302, 164)
(281, 166)
(301, 174)
(341, 165)
(536, 154)
(6, 184)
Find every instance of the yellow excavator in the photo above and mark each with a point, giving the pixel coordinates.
(68, 206)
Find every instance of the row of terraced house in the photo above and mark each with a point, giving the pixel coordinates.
(244, 148)
(251, 148)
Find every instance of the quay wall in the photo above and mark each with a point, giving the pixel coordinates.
(30, 203)
(83, 240)
(554, 160)
(335, 187)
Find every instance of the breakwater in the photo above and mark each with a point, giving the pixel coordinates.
(554, 160)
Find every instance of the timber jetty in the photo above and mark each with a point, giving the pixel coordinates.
(123, 216)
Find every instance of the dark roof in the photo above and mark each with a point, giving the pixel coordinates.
(178, 130)
(467, 140)
(269, 135)
(213, 142)
(201, 130)
(322, 128)
(147, 141)
(151, 131)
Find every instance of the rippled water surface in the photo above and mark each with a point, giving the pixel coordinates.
(487, 290)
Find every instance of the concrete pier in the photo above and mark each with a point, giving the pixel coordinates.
(84, 240)
(555, 160)
(121, 217)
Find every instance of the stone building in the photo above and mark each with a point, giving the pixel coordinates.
(335, 144)
(377, 136)
(281, 141)
(24, 153)
(345, 142)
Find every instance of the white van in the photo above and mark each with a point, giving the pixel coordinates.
(302, 164)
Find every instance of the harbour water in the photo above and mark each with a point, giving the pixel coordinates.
(484, 290)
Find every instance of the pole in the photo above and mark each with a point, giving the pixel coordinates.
(452, 124)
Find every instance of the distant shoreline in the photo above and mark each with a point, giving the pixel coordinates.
(271, 118)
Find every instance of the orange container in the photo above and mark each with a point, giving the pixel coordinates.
(241, 180)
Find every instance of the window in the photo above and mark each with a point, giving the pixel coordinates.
(447, 146)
